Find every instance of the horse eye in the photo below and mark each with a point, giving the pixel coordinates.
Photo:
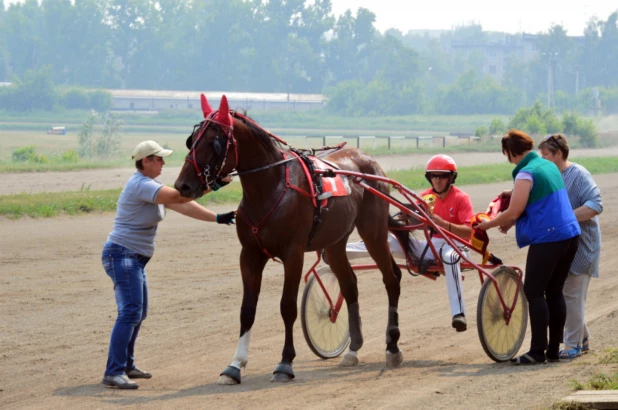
(188, 142)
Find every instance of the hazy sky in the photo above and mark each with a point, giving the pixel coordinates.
(512, 16)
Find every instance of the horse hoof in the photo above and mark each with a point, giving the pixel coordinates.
(281, 378)
(394, 359)
(230, 376)
(283, 373)
(349, 360)
(225, 380)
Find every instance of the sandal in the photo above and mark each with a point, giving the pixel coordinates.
(570, 353)
(526, 359)
(585, 345)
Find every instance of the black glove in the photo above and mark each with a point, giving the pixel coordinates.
(227, 218)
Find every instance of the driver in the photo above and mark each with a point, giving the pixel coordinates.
(452, 211)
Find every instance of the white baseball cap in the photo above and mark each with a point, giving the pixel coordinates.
(147, 148)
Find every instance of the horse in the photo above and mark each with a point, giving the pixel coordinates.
(276, 219)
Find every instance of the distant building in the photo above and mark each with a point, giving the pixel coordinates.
(154, 100)
(496, 53)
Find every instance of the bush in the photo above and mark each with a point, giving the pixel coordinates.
(533, 125)
(572, 124)
(76, 98)
(103, 145)
(497, 126)
(28, 154)
(536, 120)
(34, 91)
(100, 100)
(69, 157)
(553, 125)
(587, 132)
(569, 123)
(480, 131)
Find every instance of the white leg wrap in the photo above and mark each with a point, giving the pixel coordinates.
(242, 351)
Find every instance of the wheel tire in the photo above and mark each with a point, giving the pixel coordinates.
(500, 341)
(326, 339)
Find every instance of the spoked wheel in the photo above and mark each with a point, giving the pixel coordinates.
(500, 341)
(325, 338)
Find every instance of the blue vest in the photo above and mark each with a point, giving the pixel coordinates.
(548, 216)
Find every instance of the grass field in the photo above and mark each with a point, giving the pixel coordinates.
(46, 205)
(52, 146)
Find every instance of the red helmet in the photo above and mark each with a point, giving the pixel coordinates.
(441, 163)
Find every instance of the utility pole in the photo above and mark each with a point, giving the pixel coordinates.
(551, 58)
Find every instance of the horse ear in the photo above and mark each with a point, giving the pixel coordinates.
(206, 108)
(224, 116)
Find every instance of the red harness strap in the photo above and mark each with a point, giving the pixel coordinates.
(256, 228)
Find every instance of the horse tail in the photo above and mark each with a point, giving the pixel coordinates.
(402, 235)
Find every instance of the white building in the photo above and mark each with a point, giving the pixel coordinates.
(162, 100)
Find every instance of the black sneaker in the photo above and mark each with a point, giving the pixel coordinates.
(459, 322)
(121, 382)
(138, 374)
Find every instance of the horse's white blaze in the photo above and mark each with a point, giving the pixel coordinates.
(242, 351)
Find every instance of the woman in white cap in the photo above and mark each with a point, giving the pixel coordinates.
(130, 246)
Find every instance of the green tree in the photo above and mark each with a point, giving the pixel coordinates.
(480, 131)
(88, 52)
(497, 126)
(3, 50)
(100, 100)
(76, 98)
(35, 91)
(57, 18)
(22, 32)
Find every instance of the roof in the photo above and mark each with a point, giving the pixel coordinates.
(216, 95)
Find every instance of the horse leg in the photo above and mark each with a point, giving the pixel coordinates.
(375, 238)
(340, 266)
(293, 266)
(251, 266)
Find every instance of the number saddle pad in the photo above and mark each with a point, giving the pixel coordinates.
(331, 186)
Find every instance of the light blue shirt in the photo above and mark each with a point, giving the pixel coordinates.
(582, 190)
(138, 215)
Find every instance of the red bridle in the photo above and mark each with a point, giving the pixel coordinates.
(205, 173)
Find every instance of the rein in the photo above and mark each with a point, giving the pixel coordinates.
(283, 161)
(205, 172)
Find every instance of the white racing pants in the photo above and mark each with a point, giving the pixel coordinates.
(450, 260)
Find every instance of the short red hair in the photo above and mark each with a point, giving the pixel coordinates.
(516, 142)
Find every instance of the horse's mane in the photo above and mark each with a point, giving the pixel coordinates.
(261, 134)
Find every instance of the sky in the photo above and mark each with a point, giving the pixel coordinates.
(530, 16)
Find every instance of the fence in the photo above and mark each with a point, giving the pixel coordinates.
(392, 140)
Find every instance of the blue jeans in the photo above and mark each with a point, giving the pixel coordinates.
(127, 271)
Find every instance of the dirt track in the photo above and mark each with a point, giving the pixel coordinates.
(57, 309)
(33, 182)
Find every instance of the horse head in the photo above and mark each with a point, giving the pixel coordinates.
(213, 151)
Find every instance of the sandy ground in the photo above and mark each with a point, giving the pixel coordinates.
(15, 183)
(57, 309)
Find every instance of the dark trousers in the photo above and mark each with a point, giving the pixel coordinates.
(547, 268)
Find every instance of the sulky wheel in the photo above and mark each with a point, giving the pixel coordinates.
(325, 338)
(500, 341)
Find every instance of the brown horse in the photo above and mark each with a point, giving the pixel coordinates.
(275, 221)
